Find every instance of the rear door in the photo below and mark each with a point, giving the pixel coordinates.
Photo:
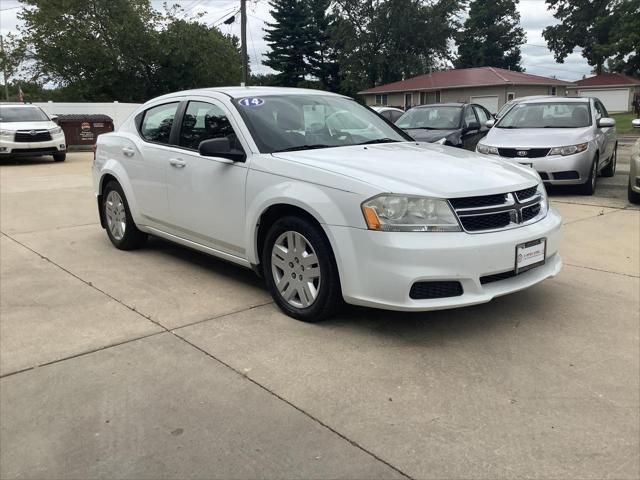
(469, 137)
(207, 194)
(607, 135)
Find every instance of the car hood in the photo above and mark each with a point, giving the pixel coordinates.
(45, 124)
(416, 169)
(536, 137)
(423, 135)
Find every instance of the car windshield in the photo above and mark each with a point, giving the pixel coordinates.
(22, 114)
(547, 115)
(302, 122)
(433, 118)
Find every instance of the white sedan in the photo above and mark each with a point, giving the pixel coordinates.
(257, 177)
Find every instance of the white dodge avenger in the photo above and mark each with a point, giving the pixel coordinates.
(267, 178)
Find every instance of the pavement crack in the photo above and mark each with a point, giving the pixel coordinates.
(601, 270)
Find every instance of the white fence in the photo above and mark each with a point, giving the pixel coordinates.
(117, 111)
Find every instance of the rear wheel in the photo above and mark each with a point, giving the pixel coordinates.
(121, 229)
(634, 197)
(610, 170)
(59, 157)
(300, 270)
(589, 187)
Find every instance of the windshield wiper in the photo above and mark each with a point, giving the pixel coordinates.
(303, 147)
(378, 140)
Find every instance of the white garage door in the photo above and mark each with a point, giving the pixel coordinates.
(614, 99)
(490, 102)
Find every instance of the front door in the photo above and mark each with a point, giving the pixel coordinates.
(407, 101)
(207, 194)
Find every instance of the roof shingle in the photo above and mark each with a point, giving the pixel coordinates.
(608, 80)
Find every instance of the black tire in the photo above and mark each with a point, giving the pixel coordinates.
(132, 238)
(59, 157)
(634, 197)
(329, 293)
(610, 169)
(589, 187)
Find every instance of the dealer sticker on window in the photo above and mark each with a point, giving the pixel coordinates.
(530, 254)
(251, 102)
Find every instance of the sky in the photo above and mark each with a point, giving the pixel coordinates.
(534, 16)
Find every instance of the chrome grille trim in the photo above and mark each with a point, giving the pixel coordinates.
(512, 206)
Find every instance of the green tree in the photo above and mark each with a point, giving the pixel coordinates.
(491, 36)
(12, 55)
(287, 37)
(321, 54)
(603, 29)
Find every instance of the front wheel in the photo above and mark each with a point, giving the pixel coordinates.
(300, 270)
(59, 157)
(634, 197)
(121, 229)
(610, 170)
(589, 187)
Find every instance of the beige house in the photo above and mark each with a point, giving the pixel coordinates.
(615, 90)
(488, 86)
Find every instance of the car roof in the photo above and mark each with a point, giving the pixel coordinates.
(553, 99)
(20, 105)
(448, 104)
(241, 92)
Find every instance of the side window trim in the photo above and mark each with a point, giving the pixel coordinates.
(139, 120)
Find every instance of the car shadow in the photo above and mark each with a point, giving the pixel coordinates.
(22, 161)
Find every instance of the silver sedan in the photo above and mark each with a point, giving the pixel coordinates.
(568, 141)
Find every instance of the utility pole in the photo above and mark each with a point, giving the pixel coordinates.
(4, 70)
(243, 42)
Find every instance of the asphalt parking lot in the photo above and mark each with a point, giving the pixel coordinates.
(165, 363)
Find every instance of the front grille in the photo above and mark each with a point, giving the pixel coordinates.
(568, 175)
(499, 211)
(477, 202)
(526, 193)
(443, 289)
(486, 222)
(26, 136)
(496, 277)
(523, 152)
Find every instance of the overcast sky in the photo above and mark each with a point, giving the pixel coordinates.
(534, 16)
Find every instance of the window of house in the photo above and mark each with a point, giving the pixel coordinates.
(157, 123)
(382, 99)
(554, 91)
(203, 121)
(407, 101)
(511, 96)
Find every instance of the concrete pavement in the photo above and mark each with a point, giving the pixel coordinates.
(166, 363)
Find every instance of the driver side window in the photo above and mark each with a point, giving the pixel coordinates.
(469, 116)
(203, 121)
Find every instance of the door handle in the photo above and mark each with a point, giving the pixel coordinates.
(128, 151)
(177, 162)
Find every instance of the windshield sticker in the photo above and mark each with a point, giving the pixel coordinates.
(251, 102)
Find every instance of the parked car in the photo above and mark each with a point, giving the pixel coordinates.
(507, 106)
(634, 170)
(254, 176)
(456, 124)
(390, 113)
(26, 130)
(568, 141)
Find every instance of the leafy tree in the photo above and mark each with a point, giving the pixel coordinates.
(491, 36)
(288, 39)
(604, 29)
(12, 55)
(321, 55)
(124, 49)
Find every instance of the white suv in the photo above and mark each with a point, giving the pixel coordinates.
(258, 176)
(27, 131)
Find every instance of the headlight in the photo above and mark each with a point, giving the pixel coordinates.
(442, 141)
(544, 203)
(403, 213)
(486, 149)
(56, 131)
(7, 133)
(570, 150)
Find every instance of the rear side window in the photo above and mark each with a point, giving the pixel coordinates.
(203, 121)
(157, 123)
(482, 114)
(469, 116)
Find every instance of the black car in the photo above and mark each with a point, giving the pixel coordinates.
(456, 124)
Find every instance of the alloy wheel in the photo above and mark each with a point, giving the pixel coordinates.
(116, 215)
(295, 269)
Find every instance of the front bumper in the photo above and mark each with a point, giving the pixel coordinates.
(558, 169)
(9, 148)
(377, 269)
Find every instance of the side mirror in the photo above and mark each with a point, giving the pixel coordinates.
(54, 118)
(635, 123)
(490, 123)
(471, 126)
(606, 122)
(220, 147)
